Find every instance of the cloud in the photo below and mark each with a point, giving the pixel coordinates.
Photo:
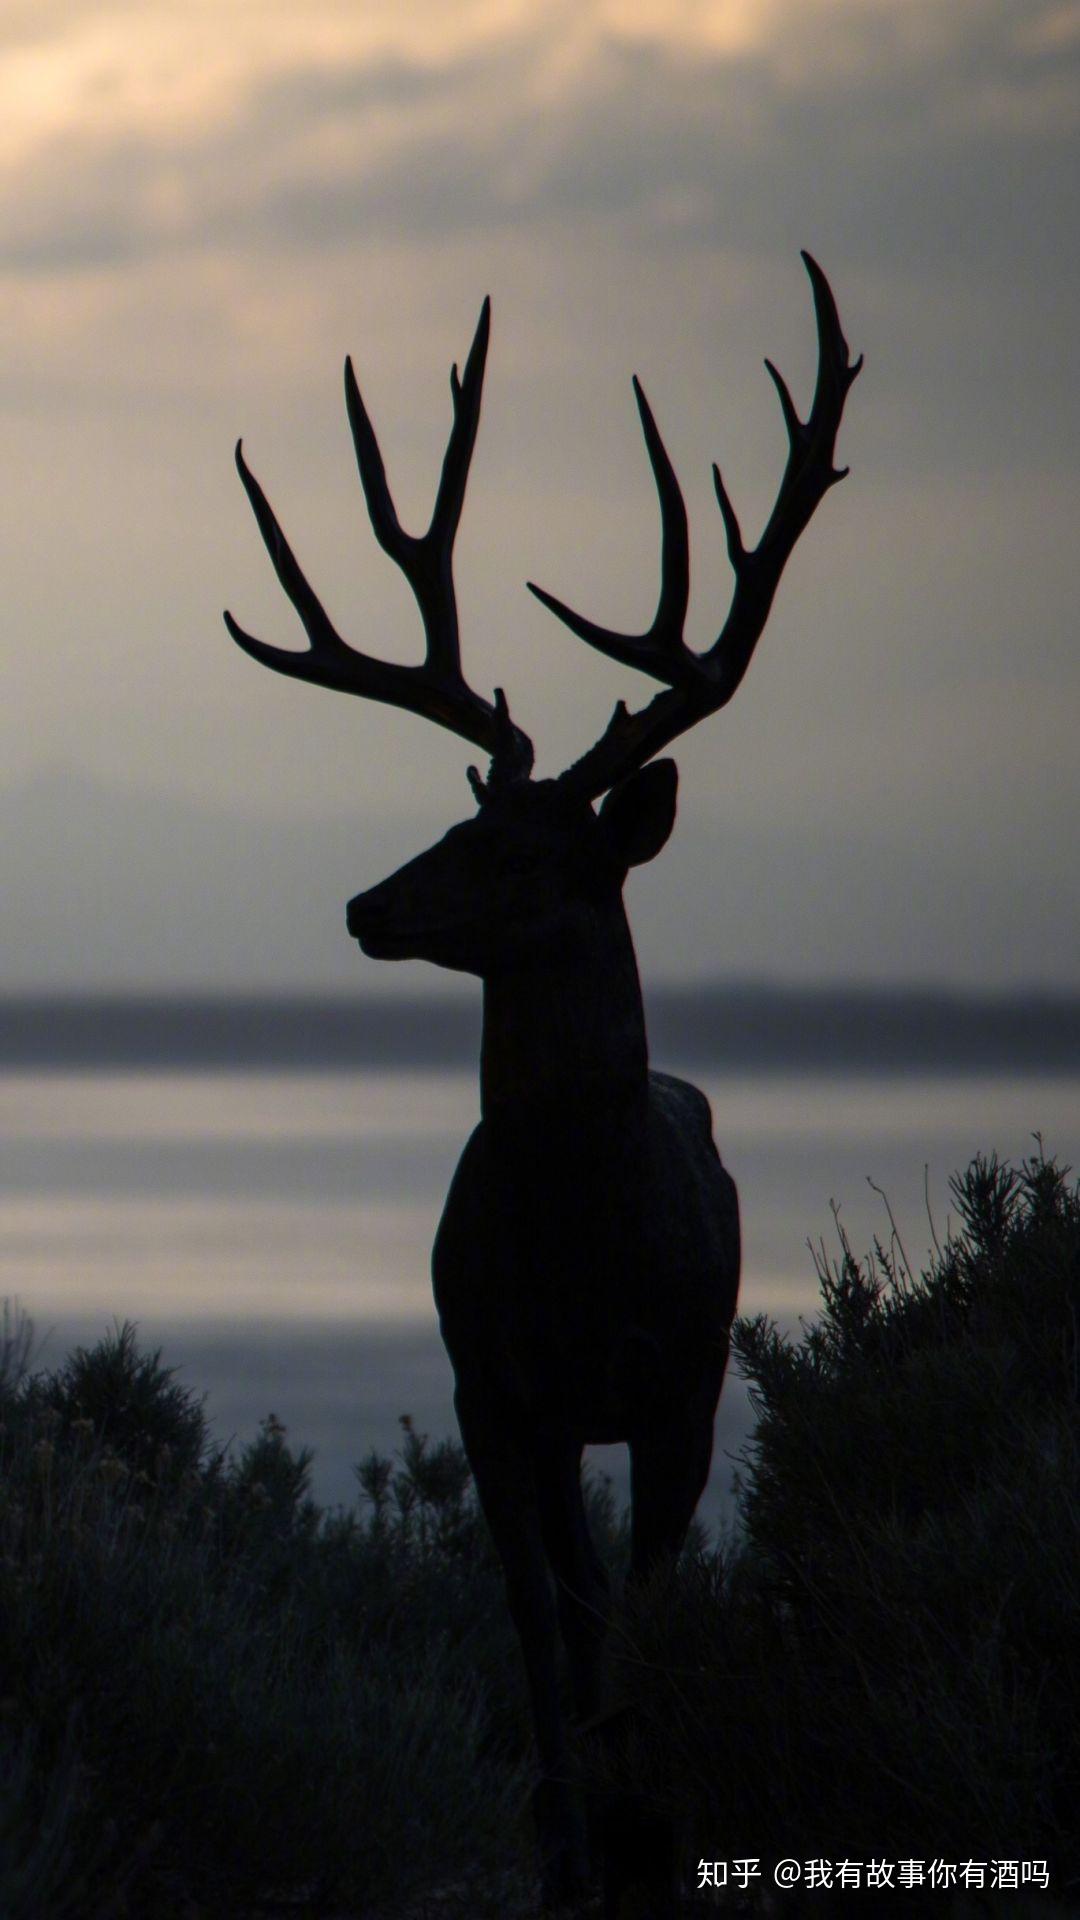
(930, 152)
(202, 207)
(932, 142)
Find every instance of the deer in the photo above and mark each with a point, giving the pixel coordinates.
(586, 1266)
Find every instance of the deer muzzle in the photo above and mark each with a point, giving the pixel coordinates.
(369, 918)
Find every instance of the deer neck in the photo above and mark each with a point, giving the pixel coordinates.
(564, 1043)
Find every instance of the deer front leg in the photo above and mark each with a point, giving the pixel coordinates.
(506, 1485)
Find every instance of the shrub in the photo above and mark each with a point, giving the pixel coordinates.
(887, 1662)
(213, 1690)
(134, 1405)
(217, 1694)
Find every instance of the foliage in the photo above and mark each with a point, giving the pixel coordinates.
(213, 1689)
(216, 1694)
(887, 1663)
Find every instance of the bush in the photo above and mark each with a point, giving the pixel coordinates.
(887, 1662)
(214, 1690)
(216, 1695)
(133, 1405)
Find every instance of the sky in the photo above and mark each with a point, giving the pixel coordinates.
(204, 207)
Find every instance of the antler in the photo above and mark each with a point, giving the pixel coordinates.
(437, 690)
(697, 684)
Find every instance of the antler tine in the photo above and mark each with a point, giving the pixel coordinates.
(465, 394)
(660, 650)
(329, 655)
(437, 690)
(426, 560)
(699, 684)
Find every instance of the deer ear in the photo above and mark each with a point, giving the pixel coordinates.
(638, 815)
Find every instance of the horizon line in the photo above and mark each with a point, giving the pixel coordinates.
(1018, 992)
(733, 1026)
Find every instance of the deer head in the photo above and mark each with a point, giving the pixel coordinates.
(528, 882)
(536, 865)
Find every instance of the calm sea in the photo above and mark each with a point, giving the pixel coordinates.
(271, 1232)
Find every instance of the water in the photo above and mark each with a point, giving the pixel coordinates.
(272, 1231)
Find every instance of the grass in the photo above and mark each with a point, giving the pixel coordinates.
(216, 1695)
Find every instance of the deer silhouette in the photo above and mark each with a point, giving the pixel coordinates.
(586, 1267)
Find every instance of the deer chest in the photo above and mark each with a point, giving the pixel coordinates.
(580, 1269)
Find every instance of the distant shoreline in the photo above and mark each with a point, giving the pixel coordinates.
(743, 1029)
